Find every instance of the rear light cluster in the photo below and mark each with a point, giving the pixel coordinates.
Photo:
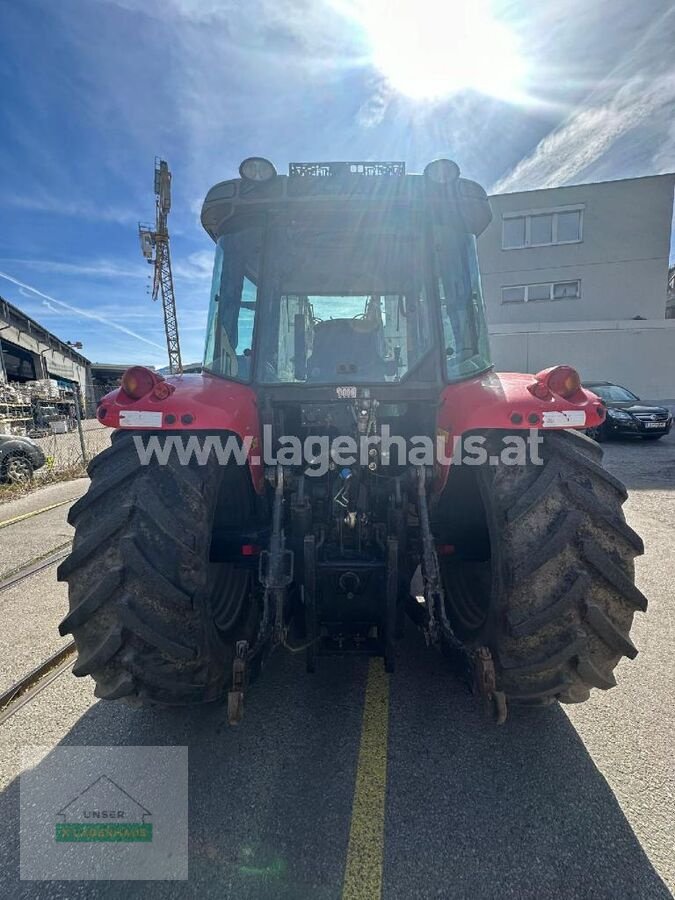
(563, 381)
(138, 382)
(162, 390)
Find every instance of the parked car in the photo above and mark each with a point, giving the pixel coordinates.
(19, 458)
(627, 415)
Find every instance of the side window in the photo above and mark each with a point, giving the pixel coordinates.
(234, 294)
(244, 330)
(466, 344)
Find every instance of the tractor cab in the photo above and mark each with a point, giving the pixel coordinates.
(346, 274)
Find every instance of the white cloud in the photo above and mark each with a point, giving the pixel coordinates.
(86, 314)
(196, 267)
(99, 268)
(81, 209)
(590, 133)
(620, 126)
(374, 108)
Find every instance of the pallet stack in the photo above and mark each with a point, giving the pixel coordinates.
(18, 400)
(16, 415)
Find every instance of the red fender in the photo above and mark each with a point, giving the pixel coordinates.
(197, 403)
(505, 401)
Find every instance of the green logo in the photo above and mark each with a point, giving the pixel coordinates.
(104, 811)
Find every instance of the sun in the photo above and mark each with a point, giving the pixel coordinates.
(435, 48)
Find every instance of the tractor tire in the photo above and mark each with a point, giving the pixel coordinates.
(155, 621)
(561, 576)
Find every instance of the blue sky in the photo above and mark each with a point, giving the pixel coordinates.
(522, 95)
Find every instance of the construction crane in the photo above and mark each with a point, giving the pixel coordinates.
(155, 248)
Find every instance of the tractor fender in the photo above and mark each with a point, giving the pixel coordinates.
(198, 403)
(502, 400)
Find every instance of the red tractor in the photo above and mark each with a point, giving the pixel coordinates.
(347, 458)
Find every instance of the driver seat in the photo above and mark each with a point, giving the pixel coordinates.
(347, 350)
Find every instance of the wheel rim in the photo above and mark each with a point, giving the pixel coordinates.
(19, 470)
(467, 600)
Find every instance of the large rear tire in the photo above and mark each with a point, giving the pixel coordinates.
(561, 582)
(154, 620)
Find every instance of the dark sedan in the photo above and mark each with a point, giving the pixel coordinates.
(19, 457)
(627, 415)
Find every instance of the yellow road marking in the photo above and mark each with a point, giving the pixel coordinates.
(36, 512)
(363, 872)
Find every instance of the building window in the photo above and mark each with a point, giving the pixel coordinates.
(566, 290)
(514, 232)
(514, 294)
(541, 229)
(537, 292)
(531, 293)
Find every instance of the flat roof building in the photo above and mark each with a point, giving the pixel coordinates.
(579, 274)
(29, 352)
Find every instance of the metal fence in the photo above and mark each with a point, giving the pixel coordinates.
(69, 453)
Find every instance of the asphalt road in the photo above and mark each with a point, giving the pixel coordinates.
(568, 802)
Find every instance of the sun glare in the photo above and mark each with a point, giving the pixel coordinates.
(435, 48)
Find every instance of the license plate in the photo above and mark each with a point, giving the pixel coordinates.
(655, 424)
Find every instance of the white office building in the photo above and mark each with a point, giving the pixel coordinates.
(579, 275)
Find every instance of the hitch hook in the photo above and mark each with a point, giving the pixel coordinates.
(235, 697)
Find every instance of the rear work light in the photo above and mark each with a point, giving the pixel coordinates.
(561, 380)
(255, 168)
(139, 381)
(442, 171)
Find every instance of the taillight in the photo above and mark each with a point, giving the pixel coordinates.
(250, 549)
(540, 390)
(138, 381)
(561, 380)
(445, 549)
(162, 390)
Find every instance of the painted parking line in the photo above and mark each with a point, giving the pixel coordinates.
(363, 871)
(37, 512)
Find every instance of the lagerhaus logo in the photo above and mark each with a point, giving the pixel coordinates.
(103, 812)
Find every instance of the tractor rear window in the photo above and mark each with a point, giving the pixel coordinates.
(347, 301)
(345, 305)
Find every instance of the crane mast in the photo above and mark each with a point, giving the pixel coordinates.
(155, 248)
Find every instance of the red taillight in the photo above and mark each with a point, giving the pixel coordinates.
(445, 549)
(162, 390)
(540, 390)
(561, 380)
(138, 381)
(250, 549)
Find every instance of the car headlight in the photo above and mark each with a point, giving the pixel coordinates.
(618, 414)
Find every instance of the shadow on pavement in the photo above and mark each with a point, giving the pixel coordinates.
(472, 810)
(270, 800)
(475, 810)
